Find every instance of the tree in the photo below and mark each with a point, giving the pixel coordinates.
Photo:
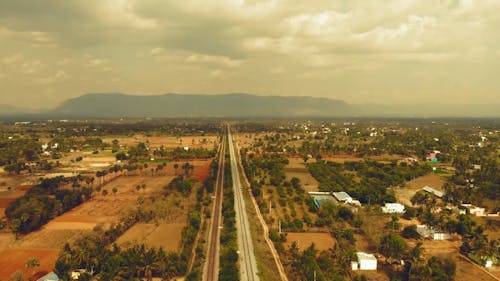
(393, 246)
(32, 263)
(176, 166)
(115, 190)
(305, 158)
(17, 276)
(410, 231)
(15, 225)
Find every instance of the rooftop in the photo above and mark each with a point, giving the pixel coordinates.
(342, 196)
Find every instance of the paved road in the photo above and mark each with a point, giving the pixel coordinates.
(248, 265)
(211, 270)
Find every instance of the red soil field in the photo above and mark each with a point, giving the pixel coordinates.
(201, 171)
(4, 202)
(25, 187)
(15, 259)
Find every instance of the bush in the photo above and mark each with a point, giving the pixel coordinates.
(410, 232)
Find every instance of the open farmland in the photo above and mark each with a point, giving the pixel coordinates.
(299, 170)
(165, 235)
(466, 270)
(322, 240)
(13, 260)
(167, 141)
(405, 193)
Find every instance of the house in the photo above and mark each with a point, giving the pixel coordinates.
(428, 232)
(473, 210)
(477, 211)
(432, 157)
(364, 262)
(433, 191)
(342, 197)
(391, 208)
(49, 277)
(321, 197)
(75, 274)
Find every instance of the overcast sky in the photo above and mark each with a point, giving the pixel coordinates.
(377, 51)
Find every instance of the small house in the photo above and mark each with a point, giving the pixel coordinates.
(433, 191)
(49, 277)
(477, 211)
(391, 208)
(342, 197)
(365, 262)
(322, 197)
(430, 233)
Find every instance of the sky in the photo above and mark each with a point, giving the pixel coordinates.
(377, 51)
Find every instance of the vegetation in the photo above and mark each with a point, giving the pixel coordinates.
(367, 180)
(228, 265)
(43, 202)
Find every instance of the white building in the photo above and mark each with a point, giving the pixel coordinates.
(477, 211)
(390, 208)
(365, 262)
(342, 197)
(433, 191)
(427, 232)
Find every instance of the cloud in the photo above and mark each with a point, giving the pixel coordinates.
(346, 48)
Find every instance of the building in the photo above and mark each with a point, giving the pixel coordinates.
(49, 277)
(322, 197)
(432, 157)
(428, 232)
(433, 191)
(391, 208)
(473, 210)
(342, 197)
(365, 262)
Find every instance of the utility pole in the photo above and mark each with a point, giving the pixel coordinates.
(315, 275)
(279, 226)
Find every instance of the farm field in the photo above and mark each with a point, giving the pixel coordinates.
(167, 141)
(306, 179)
(165, 235)
(341, 158)
(405, 193)
(322, 240)
(466, 270)
(14, 260)
(67, 228)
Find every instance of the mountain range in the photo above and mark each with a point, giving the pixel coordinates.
(238, 105)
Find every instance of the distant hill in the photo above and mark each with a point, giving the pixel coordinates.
(114, 105)
(180, 105)
(14, 110)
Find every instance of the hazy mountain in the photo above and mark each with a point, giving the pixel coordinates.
(177, 105)
(14, 110)
(239, 105)
(428, 110)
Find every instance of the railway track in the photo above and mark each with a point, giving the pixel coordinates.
(248, 264)
(212, 263)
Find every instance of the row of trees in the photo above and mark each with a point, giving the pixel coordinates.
(42, 203)
(228, 265)
(366, 180)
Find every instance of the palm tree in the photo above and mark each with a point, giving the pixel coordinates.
(32, 263)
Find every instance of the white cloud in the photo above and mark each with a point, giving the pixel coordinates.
(12, 58)
(277, 70)
(61, 74)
